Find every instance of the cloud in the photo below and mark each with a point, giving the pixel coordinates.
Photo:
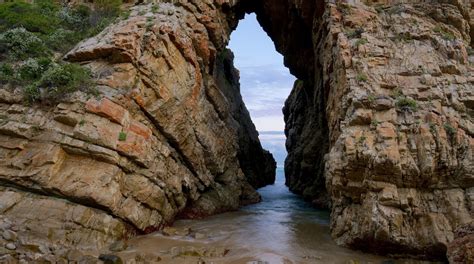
(265, 82)
(269, 123)
(274, 142)
(265, 89)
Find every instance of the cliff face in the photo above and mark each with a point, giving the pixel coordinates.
(167, 136)
(379, 126)
(382, 133)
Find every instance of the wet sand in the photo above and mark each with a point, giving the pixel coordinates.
(280, 229)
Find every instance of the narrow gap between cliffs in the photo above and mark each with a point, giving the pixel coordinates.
(265, 83)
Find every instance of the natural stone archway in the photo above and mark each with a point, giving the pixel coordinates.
(379, 125)
(366, 120)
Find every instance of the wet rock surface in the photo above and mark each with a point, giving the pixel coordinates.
(379, 128)
(390, 107)
(461, 249)
(168, 136)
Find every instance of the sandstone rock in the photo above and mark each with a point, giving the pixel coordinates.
(461, 249)
(9, 235)
(118, 246)
(10, 246)
(198, 235)
(335, 152)
(169, 231)
(212, 252)
(183, 231)
(378, 126)
(168, 134)
(147, 258)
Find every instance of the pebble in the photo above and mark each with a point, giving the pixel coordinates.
(10, 246)
(118, 246)
(73, 255)
(199, 236)
(169, 231)
(183, 231)
(147, 258)
(9, 235)
(5, 225)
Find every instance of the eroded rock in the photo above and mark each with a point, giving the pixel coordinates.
(379, 127)
(385, 148)
(168, 135)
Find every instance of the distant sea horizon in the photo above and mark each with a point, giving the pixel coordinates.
(274, 141)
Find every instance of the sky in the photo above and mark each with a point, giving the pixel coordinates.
(265, 83)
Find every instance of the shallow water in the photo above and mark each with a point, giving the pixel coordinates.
(281, 229)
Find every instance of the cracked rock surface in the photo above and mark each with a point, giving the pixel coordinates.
(379, 128)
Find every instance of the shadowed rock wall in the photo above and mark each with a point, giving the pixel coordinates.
(379, 126)
(168, 136)
(381, 131)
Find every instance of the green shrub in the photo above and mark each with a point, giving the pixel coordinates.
(371, 98)
(59, 27)
(344, 8)
(33, 69)
(21, 44)
(6, 72)
(108, 8)
(63, 40)
(6, 69)
(125, 14)
(75, 18)
(37, 17)
(361, 41)
(444, 34)
(66, 77)
(155, 9)
(31, 93)
(104, 12)
(122, 136)
(375, 123)
(361, 77)
(396, 93)
(355, 33)
(30, 33)
(470, 51)
(405, 103)
(404, 37)
(450, 130)
(59, 81)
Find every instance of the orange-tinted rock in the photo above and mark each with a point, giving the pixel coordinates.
(108, 109)
(391, 117)
(140, 129)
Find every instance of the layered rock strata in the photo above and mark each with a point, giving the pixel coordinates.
(168, 136)
(379, 126)
(382, 133)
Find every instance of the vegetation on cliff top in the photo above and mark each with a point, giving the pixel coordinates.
(34, 37)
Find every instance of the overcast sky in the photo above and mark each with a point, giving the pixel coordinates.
(265, 82)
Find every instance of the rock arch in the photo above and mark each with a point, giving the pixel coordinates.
(379, 125)
(354, 145)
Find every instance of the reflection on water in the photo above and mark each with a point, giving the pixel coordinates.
(281, 226)
(280, 229)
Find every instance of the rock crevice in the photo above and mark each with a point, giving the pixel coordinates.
(379, 125)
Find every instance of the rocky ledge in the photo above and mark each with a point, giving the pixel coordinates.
(167, 136)
(382, 133)
(379, 128)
